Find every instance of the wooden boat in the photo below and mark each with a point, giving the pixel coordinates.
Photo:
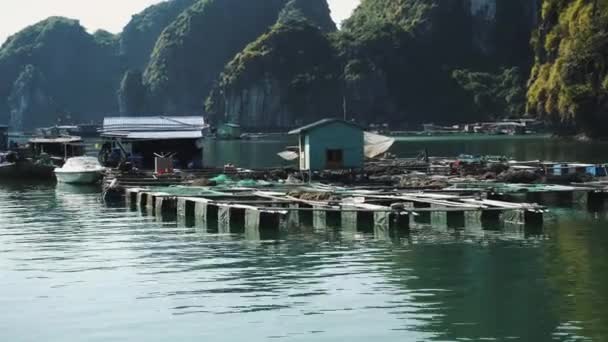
(26, 169)
(80, 170)
(40, 157)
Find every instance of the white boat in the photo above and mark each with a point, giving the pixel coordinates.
(80, 170)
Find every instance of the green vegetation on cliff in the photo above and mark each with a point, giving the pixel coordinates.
(139, 36)
(78, 70)
(316, 12)
(194, 49)
(277, 63)
(495, 95)
(569, 82)
(432, 60)
(55, 67)
(290, 74)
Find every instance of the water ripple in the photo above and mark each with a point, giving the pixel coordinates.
(78, 268)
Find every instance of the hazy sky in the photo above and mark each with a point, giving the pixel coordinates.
(111, 15)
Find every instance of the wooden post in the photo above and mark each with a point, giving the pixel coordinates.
(349, 219)
(181, 207)
(181, 211)
(513, 217)
(580, 197)
(252, 224)
(293, 217)
(319, 218)
(439, 219)
(472, 219)
(200, 214)
(382, 226)
(158, 205)
(223, 219)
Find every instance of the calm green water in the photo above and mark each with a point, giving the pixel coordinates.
(72, 269)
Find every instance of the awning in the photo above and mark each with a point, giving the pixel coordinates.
(288, 155)
(376, 144)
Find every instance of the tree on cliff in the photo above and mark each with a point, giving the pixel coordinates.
(569, 82)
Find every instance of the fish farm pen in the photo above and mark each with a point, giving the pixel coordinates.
(234, 209)
(231, 200)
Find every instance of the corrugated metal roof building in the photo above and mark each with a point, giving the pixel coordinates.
(142, 139)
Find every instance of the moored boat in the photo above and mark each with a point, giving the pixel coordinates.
(80, 170)
(38, 159)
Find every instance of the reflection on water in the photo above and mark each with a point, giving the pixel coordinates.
(73, 267)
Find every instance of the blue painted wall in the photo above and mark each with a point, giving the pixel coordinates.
(333, 136)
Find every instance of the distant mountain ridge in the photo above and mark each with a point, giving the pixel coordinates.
(273, 64)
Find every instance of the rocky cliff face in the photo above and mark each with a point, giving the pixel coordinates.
(56, 67)
(278, 63)
(392, 60)
(284, 78)
(259, 105)
(28, 102)
(193, 50)
(139, 36)
(502, 29)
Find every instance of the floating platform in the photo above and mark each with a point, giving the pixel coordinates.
(251, 211)
(546, 194)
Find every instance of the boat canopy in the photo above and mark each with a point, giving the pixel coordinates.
(164, 135)
(58, 140)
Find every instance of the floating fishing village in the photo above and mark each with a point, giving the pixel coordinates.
(340, 176)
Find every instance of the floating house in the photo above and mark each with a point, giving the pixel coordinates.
(3, 137)
(143, 140)
(330, 144)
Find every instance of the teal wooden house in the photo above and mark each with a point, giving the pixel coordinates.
(330, 144)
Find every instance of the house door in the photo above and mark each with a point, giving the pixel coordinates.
(335, 159)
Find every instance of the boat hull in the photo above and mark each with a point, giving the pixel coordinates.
(80, 177)
(26, 170)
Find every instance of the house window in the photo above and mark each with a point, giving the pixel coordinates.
(335, 159)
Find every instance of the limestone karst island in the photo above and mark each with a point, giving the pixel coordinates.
(304, 170)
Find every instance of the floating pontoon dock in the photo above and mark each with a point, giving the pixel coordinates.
(233, 210)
